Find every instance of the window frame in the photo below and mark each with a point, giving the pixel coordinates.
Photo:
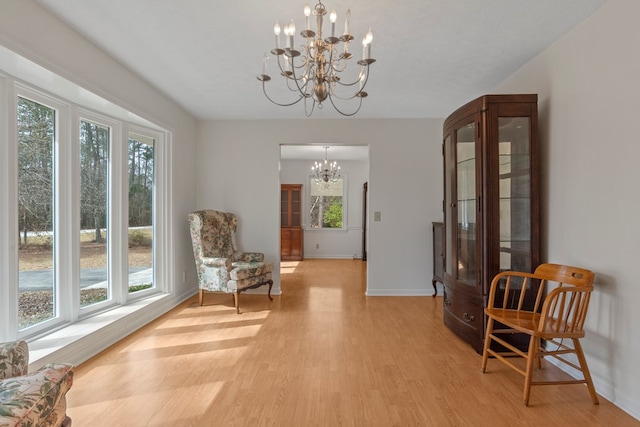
(113, 206)
(66, 210)
(61, 167)
(309, 201)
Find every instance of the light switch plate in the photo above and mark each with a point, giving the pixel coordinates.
(376, 216)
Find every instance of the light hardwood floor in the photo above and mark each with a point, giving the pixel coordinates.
(321, 354)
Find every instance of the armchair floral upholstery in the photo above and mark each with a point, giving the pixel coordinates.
(220, 266)
(32, 400)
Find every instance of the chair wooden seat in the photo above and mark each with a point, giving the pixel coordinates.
(519, 321)
(554, 318)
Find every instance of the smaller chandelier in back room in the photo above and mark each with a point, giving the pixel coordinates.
(326, 172)
(313, 73)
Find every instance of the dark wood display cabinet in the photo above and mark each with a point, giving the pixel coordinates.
(291, 232)
(491, 204)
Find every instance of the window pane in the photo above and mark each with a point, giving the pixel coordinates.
(94, 155)
(326, 204)
(141, 183)
(36, 133)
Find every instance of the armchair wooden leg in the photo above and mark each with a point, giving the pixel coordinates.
(236, 298)
(201, 296)
(270, 282)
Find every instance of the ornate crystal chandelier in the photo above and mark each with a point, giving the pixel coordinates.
(325, 172)
(313, 72)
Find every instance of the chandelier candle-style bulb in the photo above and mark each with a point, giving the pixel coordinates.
(366, 45)
(292, 31)
(364, 48)
(346, 22)
(333, 18)
(276, 31)
(307, 13)
(319, 72)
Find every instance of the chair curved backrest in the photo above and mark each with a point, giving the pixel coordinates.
(213, 234)
(565, 274)
(565, 308)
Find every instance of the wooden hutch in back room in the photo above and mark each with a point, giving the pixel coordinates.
(491, 204)
(291, 232)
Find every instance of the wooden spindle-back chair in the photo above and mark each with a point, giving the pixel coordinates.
(558, 315)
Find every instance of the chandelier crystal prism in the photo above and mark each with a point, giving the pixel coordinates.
(326, 172)
(313, 73)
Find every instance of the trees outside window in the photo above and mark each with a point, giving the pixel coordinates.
(36, 138)
(141, 184)
(326, 204)
(94, 180)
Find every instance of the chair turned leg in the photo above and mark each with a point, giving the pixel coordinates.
(270, 282)
(487, 343)
(201, 296)
(585, 371)
(534, 342)
(236, 298)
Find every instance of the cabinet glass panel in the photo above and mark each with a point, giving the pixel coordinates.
(296, 209)
(284, 208)
(515, 193)
(466, 204)
(448, 210)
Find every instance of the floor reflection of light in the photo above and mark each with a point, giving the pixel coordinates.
(203, 317)
(144, 406)
(197, 336)
(288, 266)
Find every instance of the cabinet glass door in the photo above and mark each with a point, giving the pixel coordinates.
(448, 206)
(466, 204)
(515, 193)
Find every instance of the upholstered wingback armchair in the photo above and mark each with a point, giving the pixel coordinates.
(220, 265)
(32, 400)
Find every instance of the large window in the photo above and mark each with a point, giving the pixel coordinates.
(326, 204)
(94, 192)
(141, 184)
(82, 193)
(36, 126)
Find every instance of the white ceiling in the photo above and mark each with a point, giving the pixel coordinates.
(432, 55)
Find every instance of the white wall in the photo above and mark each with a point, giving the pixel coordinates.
(320, 243)
(238, 171)
(588, 84)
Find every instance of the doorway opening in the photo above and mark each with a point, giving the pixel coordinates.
(342, 234)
